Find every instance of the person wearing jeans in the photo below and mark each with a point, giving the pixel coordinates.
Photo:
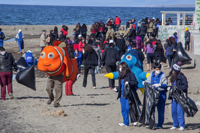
(169, 51)
(90, 61)
(2, 37)
(7, 62)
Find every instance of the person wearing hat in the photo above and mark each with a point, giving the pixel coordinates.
(114, 46)
(110, 32)
(159, 81)
(122, 31)
(187, 39)
(79, 38)
(178, 79)
(99, 54)
(110, 57)
(20, 37)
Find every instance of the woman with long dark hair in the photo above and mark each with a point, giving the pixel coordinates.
(77, 30)
(178, 79)
(158, 50)
(52, 37)
(84, 30)
(126, 77)
(169, 51)
(149, 50)
(90, 61)
(55, 32)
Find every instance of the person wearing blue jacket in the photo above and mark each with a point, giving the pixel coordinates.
(78, 57)
(29, 58)
(159, 81)
(178, 79)
(135, 23)
(2, 37)
(19, 37)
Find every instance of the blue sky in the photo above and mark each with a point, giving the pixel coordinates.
(98, 2)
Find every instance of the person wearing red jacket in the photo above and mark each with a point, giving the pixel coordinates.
(117, 23)
(81, 45)
(64, 30)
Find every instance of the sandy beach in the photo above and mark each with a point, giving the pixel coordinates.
(89, 111)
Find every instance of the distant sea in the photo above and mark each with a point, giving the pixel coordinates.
(71, 15)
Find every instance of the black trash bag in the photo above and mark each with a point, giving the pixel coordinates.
(181, 55)
(134, 109)
(21, 63)
(151, 98)
(188, 105)
(26, 77)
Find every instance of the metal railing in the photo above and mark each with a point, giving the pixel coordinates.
(177, 18)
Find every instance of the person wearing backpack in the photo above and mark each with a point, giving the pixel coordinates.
(149, 50)
(2, 37)
(150, 28)
(43, 40)
(20, 37)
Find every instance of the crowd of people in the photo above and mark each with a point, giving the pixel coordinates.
(105, 46)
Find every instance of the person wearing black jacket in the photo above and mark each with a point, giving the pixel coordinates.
(90, 61)
(158, 50)
(142, 31)
(132, 33)
(128, 24)
(62, 37)
(7, 62)
(133, 46)
(55, 33)
(121, 44)
(110, 57)
(180, 81)
(128, 101)
(84, 30)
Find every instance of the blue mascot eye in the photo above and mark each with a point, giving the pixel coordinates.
(129, 57)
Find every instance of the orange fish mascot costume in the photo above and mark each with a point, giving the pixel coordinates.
(54, 60)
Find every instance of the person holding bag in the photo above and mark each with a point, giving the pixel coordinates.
(178, 79)
(126, 77)
(158, 79)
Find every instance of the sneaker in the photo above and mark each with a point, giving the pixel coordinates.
(122, 124)
(110, 88)
(11, 96)
(148, 126)
(94, 87)
(56, 105)
(83, 87)
(115, 89)
(49, 101)
(159, 127)
(181, 129)
(135, 123)
(173, 128)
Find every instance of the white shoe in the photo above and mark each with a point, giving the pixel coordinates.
(94, 87)
(11, 96)
(173, 128)
(135, 123)
(181, 129)
(83, 87)
(147, 126)
(122, 124)
(115, 89)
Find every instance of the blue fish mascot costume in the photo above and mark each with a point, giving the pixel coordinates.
(132, 58)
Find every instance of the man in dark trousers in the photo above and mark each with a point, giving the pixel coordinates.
(133, 46)
(187, 39)
(121, 44)
(7, 62)
(110, 57)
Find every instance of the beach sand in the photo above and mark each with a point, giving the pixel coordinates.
(89, 111)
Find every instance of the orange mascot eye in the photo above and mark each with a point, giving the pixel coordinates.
(42, 55)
